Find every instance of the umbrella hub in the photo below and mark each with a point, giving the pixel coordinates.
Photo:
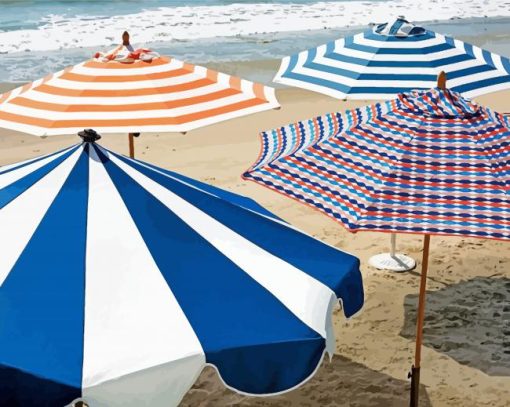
(439, 103)
(89, 135)
(399, 27)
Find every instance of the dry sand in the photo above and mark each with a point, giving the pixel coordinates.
(466, 357)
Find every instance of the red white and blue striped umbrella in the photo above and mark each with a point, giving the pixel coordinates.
(427, 162)
(120, 281)
(392, 58)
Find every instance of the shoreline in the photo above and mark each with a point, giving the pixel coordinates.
(246, 51)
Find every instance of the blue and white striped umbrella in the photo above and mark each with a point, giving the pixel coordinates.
(394, 58)
(120, 281)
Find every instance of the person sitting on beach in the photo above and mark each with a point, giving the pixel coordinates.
(126, 53)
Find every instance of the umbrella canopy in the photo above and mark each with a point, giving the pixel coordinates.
(426, 162)
(160, 95)
(392, 58)
(120, 281)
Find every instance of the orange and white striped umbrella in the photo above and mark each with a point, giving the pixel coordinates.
(164, 95)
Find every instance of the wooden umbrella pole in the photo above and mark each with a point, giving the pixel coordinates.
(415, 370)
(131, 145)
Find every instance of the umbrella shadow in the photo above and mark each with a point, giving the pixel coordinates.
(468, 321)
(340, 382)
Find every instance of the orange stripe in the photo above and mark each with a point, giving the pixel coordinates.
(123, 92)
(5, 96)
(188, 67)
(26, 87)
(235, 82)
(158, 121)
(120, 65)
(71, 76)
(258, 89)
(171, 104)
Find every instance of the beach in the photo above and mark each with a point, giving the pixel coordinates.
(466, 353)
(466, 350)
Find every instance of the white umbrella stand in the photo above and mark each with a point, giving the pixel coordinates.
(392, 261)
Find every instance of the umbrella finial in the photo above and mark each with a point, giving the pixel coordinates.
(441, 80)
(89, 135)
(125, 38)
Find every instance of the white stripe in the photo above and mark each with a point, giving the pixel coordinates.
(137, 114)
(284, 66)
(473, 78)
(270, 96)
(159, 386)
(123, 100)
(90, 71)
(316, 88)
(304, 296)
(498, 63)
(4, 168)
(195, 124)
(478, 54)
(20, 218)
(13, 176)
(132, 319)
(362, 40)
(324, 60)
(188, 126)
(487, 89)
(25, 128)
(399, 57)
(70, 84)
(353, 82)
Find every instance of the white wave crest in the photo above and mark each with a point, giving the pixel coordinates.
(188, 23)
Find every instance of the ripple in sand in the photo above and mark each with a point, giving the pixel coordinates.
(340, 382)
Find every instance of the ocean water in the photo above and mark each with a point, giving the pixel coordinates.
(40, 36)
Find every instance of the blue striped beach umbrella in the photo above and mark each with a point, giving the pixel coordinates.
(428, 162)
(392, 58)
(120, 281)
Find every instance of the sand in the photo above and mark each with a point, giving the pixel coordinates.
(466, 356)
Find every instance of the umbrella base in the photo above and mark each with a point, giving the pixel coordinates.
(398, 262)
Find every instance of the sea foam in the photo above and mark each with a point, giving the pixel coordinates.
(188, 23)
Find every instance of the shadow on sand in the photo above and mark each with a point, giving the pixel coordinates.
(468, 321)
(340, 382)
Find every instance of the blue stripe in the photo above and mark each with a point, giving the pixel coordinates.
(487, 56)
(395, 76)
(12, 191)
(20, 389)
(42, 299)
(235, 199)
(328, 265)
(480, 84)
(398, 51)
(346, 89)
(396, 26)
(16, 167)
(244, 330)
(369, 76)
(393, 63)
(506, 64)
(427, 35)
